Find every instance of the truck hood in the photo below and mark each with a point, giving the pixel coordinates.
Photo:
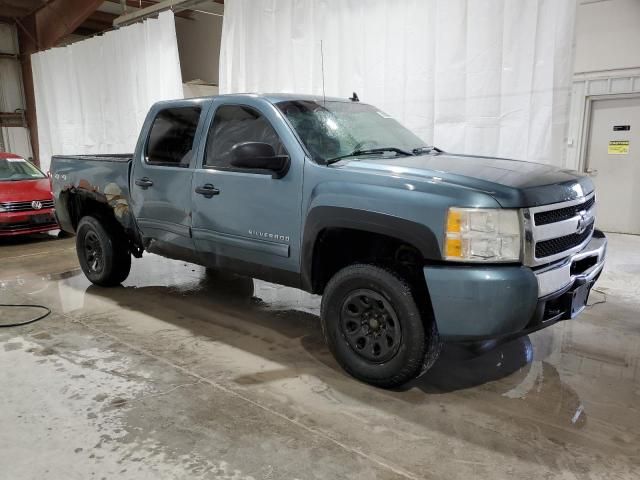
(512, 183)
(25, 190)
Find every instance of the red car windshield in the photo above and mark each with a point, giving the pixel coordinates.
(13, 169)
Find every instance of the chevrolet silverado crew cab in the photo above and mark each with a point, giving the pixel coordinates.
(408, 245)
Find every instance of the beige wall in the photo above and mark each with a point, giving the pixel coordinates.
(607, 35)
(199, 47)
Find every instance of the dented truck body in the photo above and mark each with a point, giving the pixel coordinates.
(84, 183)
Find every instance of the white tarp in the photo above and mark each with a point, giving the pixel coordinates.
(92, 96)
(489, 77)
(11, 97)
(16, 140)
(12, 139)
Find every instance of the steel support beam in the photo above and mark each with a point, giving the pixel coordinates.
(40, 30)
(134, 5)
(175, 5)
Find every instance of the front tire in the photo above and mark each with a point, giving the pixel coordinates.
(103, 254)
(375, 328)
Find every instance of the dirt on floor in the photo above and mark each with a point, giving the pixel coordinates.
(177, 374)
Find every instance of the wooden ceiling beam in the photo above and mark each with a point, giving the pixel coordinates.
(13, 11)
(56, 19)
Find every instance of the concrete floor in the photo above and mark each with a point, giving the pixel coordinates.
(177, 376)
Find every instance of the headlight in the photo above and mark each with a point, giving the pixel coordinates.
(482, 235)
(2, 209)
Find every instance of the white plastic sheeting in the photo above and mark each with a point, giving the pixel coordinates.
(11, 96)
(12, 139)
(16, 140)
(92, 96)
(488, 77)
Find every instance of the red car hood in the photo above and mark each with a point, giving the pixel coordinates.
(25, 190)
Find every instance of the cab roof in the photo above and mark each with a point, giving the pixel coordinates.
(270, 97)
(284, 97)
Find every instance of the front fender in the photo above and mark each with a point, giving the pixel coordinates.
(323, 217)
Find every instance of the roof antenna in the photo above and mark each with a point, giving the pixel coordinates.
(354, 98)
(324, 99)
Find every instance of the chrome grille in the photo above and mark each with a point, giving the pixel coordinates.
(556, 231)
(546, 248)
(25, 206)
(552, 216)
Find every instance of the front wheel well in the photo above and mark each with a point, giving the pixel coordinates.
(336, 248)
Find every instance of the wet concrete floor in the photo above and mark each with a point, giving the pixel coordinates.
(177, 375)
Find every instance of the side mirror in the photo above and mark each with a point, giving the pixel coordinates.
(259, 156)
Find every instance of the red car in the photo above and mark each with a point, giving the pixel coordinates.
(26, 202)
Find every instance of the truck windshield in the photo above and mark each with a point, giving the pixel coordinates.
(12, 169)
(334, 129)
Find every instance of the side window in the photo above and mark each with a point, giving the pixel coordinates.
(171, 137)
(234, 124)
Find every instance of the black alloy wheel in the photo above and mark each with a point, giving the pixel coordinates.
(378, 325)
(370, 325)
(102, 250)
(93, 252)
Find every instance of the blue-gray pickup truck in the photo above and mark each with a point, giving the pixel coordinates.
(409, 246)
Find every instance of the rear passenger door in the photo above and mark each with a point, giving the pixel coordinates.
(162, 176)
(252, 222)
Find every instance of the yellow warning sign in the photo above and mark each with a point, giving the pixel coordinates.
(618, 147)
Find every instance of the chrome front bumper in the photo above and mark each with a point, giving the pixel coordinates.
(581, 267)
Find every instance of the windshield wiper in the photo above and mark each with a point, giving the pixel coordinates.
(357, 153)
(428, 149)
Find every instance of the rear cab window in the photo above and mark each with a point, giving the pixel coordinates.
(171, 138)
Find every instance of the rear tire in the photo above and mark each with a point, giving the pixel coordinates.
(102, 251)
(375, 328)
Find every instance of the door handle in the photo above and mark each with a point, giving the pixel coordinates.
(144, 182)
(207, 190)
(592, 172)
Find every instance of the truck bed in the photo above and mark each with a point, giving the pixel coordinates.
(103, 179)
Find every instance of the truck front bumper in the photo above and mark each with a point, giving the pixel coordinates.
(473, 303)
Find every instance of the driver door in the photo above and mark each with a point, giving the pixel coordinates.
(245, 219)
